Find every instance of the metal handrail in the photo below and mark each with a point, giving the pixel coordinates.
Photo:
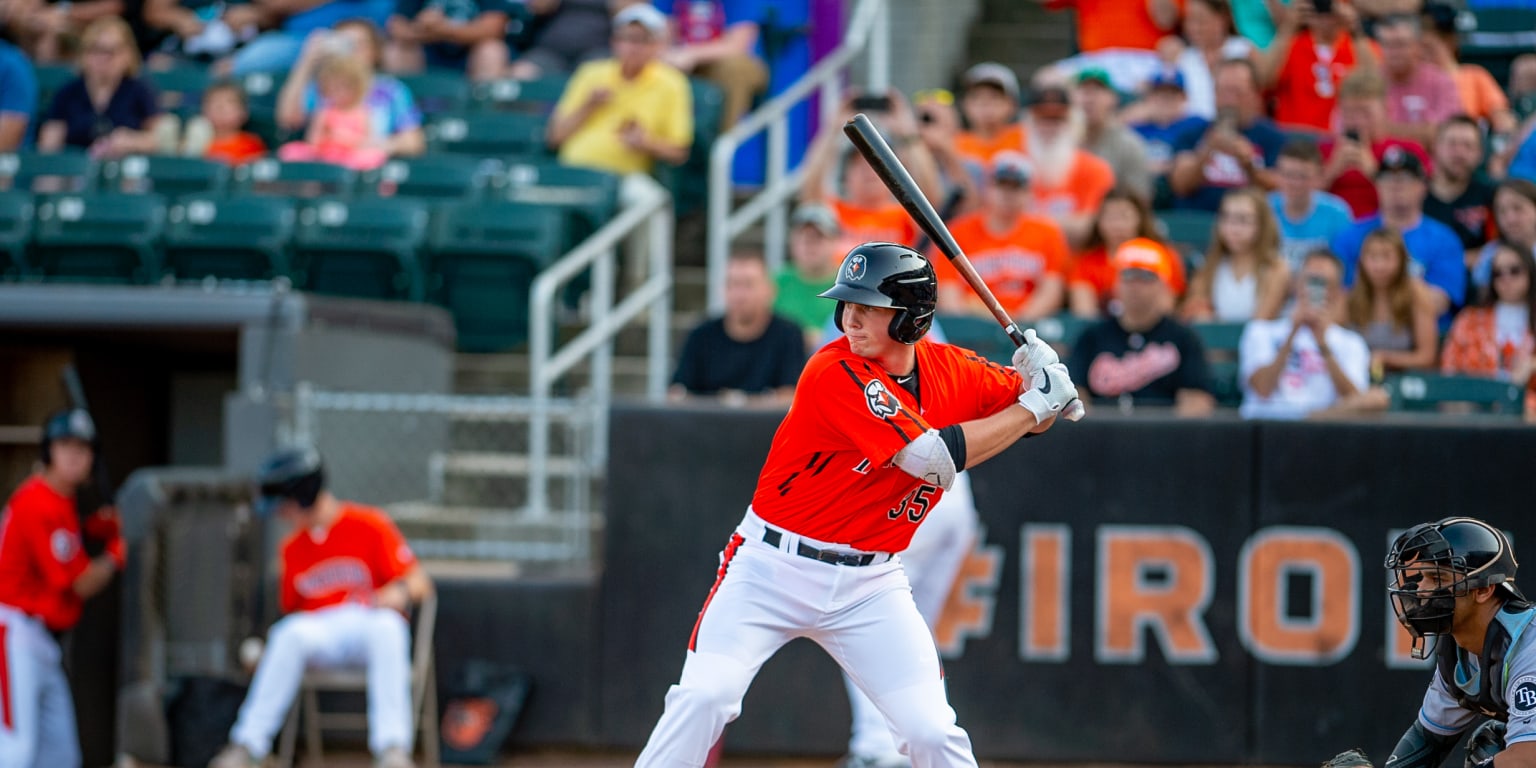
(648, 206)
(868, 33)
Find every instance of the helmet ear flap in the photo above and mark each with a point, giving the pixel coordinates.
(900, 330)
(837, 317)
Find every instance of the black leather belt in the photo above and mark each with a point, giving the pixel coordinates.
(773, 538)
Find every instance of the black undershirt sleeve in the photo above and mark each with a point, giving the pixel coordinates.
(954, 440)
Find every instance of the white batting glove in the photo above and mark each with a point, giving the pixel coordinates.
(1033, 356)
(1049, 392)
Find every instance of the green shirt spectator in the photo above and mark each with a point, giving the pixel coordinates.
(814, 244)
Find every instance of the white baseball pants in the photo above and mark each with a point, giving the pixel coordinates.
(341, 636)
(862, 615)
(37, 715)
(931, 561)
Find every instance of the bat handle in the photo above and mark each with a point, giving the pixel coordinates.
(1012, 329)
(1074, 411)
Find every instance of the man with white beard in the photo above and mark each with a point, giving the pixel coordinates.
(1067, 182)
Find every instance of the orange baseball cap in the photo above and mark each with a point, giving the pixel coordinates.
(1147, 256)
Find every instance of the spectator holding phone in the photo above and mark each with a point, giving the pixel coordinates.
(1237, 150)
(394, 122)
(1293, 366)
(1317, 44)
(1351, 156)
(1436, 251)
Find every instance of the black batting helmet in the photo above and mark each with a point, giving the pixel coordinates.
(1473, 555)
(289, 473)
(74, 423)
(892, 276)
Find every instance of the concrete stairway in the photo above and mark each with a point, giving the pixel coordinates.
(1021, 34)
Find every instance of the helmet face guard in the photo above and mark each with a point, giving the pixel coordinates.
(1432, 564)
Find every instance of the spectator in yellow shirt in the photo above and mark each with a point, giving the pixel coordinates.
(625, 113)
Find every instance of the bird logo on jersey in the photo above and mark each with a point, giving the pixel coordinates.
(856, 268)
(879, 399)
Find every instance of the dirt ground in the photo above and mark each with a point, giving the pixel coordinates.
(577, 759)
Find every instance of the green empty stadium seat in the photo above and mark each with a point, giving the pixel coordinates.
(107, 238)
(164, 175)
(689, 182)
(261, 89)
(366, 247)
(1501, 35)
(433, 177)
(234, 238)
(589, 197)
(1190, 231)
(979, 334)
(487, 134)
(536, 96)
(299, 180)
(180, 88)
(50, 78)
(438, 91)
(1061, 330)
(47, 173)
(1219, 337)
(482, 257)
(15, 232)
(1425, 391)
(1224, 382)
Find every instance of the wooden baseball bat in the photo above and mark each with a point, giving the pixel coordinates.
(867, 139)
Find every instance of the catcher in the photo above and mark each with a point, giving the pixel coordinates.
(1454, 580)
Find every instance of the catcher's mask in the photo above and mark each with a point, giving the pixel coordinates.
(1432, 564)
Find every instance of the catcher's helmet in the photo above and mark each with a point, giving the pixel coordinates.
(1467, 553)
(289, 473)
(74, 423)
(888, 275)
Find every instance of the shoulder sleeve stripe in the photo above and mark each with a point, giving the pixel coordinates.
(859, 384)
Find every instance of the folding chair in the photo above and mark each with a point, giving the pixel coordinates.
(423, 698)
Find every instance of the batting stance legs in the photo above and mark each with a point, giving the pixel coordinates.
(37, 716)
(862, 615)
(346, 635)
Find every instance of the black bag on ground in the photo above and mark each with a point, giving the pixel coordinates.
(200, 713)
(482, 705)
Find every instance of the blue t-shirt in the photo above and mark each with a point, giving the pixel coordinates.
(1436, 254)
(1523, 166)
(1161, 138)
(1330, 215)
(18, 87)
(1223, 171)
(131, 105)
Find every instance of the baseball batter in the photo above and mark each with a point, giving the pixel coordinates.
(45, 576)
(348, 577)
(880, 424)
(1455, 580)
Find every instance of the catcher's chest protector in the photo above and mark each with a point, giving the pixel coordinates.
(1485, 693)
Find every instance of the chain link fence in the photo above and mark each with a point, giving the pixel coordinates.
(453, 470)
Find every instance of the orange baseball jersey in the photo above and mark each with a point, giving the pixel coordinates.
(1308, 86)
(1080, 190)
(829, 474)
(40, 554)
(886, 224)
(981, 151)
(1011, 263)
(360, 552)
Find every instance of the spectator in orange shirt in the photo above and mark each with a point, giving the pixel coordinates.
(865, 209)
(1481, 96)
(989, 101)
(1313, 51)
(1120, 36)
(1419, 94)
(1121, 217)
(217, 133)
(1022, 257)
(1068, 182)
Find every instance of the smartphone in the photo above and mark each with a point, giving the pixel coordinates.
(1316, 290)
(926, 117)
(1352, 135)
(1226, 120)
(1322, 6)
(872, 103)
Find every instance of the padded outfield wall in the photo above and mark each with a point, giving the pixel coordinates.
(1146, 590)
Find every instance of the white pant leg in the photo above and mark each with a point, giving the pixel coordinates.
(292, 643)
(932, 561)
(58, 743)
(753, 612)
(388, 649)
(883, 644)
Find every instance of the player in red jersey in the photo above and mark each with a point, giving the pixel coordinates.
(881, 422)
(45, 577)
(348, 577)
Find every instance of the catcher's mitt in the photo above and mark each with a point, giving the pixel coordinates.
(1485, 742)
(1349, 758)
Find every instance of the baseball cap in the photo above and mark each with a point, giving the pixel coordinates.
(643, 14)
(1143, 255)
(819, 216)
(1166, 78)
(1098, 75)
(1399, 160)
(1010, 168)
(1050, 99)
(992, 73)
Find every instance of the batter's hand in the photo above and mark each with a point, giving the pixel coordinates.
(1033, 356)
(117, 549)
(1050, 391)
(103, 525)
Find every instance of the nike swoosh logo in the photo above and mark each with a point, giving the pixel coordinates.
(1045, 389)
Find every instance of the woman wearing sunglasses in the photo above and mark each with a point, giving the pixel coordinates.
(1496, 336)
